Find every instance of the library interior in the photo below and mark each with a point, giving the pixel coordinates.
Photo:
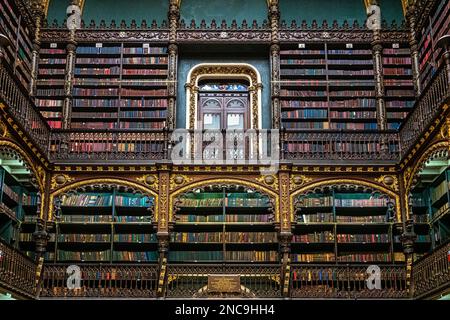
(160, 149)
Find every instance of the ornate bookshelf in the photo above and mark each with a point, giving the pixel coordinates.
(117, 85)
(344, 225)
(107, 226)
(436, 26)
(18, 55)
(223, 225)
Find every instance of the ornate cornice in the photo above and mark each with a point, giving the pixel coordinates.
(55, 35)
(225, 36)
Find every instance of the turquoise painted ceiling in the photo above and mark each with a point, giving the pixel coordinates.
(219, 10)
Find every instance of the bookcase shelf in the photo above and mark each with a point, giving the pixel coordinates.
(19, 54)
(116, 86)
(438, 25)
(342, 226)
(105, 226)
(223, 225)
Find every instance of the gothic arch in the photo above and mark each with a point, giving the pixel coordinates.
(37, 171)
(223, 71)
(432, 151)
(102, 181)
(226, 181)
(356, 182)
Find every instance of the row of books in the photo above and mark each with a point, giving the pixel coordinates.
(325, 147)
(350, 52)
(403, 51)
(306, 125)
(392, 60)
(318, 217)
(52, 114)
(317, 257)
(53, 72)
(354, 126)
(133, 219)
(126, 201)
(370, 238)
(29, 199)
(302, 52)
(353, 114)
(303, 61)
(227, 201)
(353, 103)
(397, 71)
(49, 103)
(136, 238)
(144, 72)
(50, 92)
(97, 61)
(302, 72)
(13, 195)
(103, 218)
(326, 201)
(84, 200)
(390, 92)
(121, 125)
(303, 93)
(360, 202)
(268, 256)
(156, 103)
(226, 218)
(352, 93)
(96, 71)
(305, 113)
(52, 51)
(98, 50)
(91, 115)
(368, 257)
(228, 237)
(329, 217)
(143, 114)
(437, 192)
(399, 103)
(324, 236)
(396, 115)
(84, 237)
(114, 146)
(146, 60)
(149, 50)
(361, 219)
(106, 256)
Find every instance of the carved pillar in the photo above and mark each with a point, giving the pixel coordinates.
(274, 18)
(38, 14)
(174, 17)
(285, 233)
(163, 201)
(411, 21)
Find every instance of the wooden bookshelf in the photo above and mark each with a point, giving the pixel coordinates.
(438, 25)
(339, 226)
(398, 83)
(223, 225)
(18, 55)
(318, 87)
(50, 86)
(105, 226)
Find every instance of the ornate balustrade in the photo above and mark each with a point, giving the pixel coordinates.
(106, 281)
(346, 282)
(432, 272)
(187, 281)
(340, 145)
(77, 145)
(426, 109)
(17, 102)
(17, 272)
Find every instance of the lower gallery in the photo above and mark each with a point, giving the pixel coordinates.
(254, 149)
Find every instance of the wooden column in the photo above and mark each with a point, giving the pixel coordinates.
(274, 18)
(174, 17)
(410, 16)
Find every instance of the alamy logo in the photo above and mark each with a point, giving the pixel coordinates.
(374, 280)
(374, 18)
(74, 279)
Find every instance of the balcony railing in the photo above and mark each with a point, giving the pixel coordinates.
(190, 281)
(346, 282)
(22, 108)
(76, 145)
(340, 145)
(432, 273)
(426, 109)
(105, 281)
(17, 272)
